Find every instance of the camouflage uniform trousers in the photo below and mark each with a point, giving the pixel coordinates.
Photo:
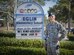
(52, 48)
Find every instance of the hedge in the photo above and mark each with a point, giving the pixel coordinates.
(32, 43)
(12, 34)
(71, 37)
(67, 45)
(7, 34)
(8, 50)
(66, 52)
(21, 42)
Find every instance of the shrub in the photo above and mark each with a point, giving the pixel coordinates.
(32, 43)
(66, 52)
(71, 37)
(7, 34)
(67, 45)
(21, 51)
(21, 42)
(8, 50)
(12, 46)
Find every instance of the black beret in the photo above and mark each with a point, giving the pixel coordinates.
(50, 14)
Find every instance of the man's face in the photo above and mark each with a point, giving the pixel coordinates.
(51, 18)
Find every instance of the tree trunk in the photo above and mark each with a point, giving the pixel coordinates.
(7, 23)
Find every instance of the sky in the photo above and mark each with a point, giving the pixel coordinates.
(47, 5)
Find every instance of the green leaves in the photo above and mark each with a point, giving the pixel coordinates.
(62, 9)
(12, 46)
(21, 42)
(67, 45)
(66, 52)
(71, 37)
(40, 2)
(8, 50)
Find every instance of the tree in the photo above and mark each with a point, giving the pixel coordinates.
(40, 2)
(72, 9)
(62, 9)
(7, 9)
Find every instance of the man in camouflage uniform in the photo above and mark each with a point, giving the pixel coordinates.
(53, 28)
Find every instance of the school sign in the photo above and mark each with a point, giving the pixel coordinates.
(29, 20)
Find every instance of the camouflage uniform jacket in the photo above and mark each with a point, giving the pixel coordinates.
(52, 31)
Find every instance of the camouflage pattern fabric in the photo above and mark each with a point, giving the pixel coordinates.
(52, 39)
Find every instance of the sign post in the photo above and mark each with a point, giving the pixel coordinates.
(29, 21)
